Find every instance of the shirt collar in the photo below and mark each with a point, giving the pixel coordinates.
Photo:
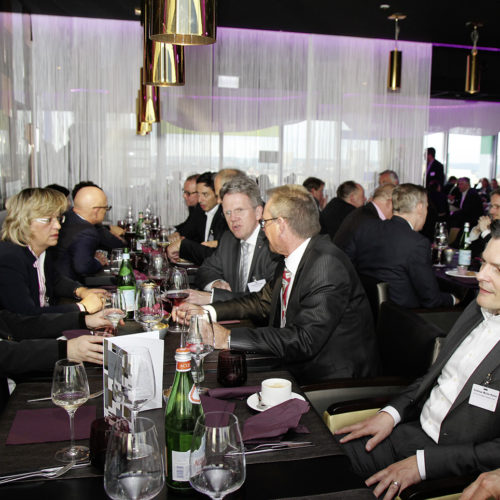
(489, 315)
(252, 239)
(212, 210)
(380, 213)
(293, 260)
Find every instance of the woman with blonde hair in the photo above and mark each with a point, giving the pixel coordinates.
(29, 281)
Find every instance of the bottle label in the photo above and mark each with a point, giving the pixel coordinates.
(129, 297)
(464, 257)
(180, 465)
(183, 366)
(194, 397)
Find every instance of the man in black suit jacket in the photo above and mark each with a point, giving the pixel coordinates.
(435, 169)
(448, 421)
(319, 320)
(242, 262)
(190, 196)
(469, 203)
(81, 235)
(349, 196)
(393, 252)
(481, 234)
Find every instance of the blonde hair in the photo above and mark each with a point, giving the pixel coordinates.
(27, 205)
(406, 197)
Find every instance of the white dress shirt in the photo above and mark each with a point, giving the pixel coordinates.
(210, 217)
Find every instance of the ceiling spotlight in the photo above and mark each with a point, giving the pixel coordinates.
(472, 76)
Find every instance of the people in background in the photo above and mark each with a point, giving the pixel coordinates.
(481, 233)
(30, 282)
(469, 205)
(316, 187)
(388, 177)
(190, 196)
(435, 169)
(350, 195)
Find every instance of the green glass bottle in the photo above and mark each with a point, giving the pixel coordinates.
(183, 409)
(126, 283)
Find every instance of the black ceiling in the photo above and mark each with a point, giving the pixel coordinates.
(438, 21)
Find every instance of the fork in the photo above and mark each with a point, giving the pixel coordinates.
(47, 473)
(91, 396)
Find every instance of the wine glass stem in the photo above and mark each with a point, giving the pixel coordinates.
(115, 328)
(72, 428)
(133, 420)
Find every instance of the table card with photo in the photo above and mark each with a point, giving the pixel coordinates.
(113, 346)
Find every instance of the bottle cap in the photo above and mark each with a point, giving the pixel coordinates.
(182, 354)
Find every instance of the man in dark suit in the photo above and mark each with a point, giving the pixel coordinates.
(448, 421)
(481, 234)
(242, 262)
(319, 320)
(201, 240)
(470, 206)
(435, 169)
(75, 254)
(393, 252)
(317, 188)
(190, 196)
(379, 208)
(349, 196)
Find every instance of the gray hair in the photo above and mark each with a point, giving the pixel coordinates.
(406, 197)
(393, 175)
(243, 185)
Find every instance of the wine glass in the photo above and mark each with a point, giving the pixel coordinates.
(116, 260)
(148, 306)
(134, 379)
(126, 475)
(158, 269)
(70, 389)
(200, 342)
(217, 459)
(116, 309)
(177, 292)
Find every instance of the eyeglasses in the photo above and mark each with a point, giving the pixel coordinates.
(189, 193)
(237, 212)
(262, 222)
(495, 206)
(107, 208)
(49, 220)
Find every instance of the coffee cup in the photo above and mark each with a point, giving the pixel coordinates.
(275, 391)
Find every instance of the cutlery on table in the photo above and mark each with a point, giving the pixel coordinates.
(268, 447)
(47, 473)
(92, 396)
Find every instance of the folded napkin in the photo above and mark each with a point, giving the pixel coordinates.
(233, 392)
(216, 405)
(49, 424)
(276, 420)
(73, 334)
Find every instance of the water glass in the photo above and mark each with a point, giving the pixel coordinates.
(231, 368)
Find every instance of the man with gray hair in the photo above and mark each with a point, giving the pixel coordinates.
(318, 317)
(394, 252)
(388, 177)
(242, 262)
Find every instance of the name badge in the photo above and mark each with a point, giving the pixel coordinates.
(256, 286)
(484, 397)
(432, 173)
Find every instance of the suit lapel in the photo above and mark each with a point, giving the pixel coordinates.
(233, 271)
(274, 316)
(259, 244)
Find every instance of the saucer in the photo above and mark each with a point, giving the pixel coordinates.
(456, 274)
(253, 401)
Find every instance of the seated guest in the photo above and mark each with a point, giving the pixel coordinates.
(392, 251)
(379, 208)
(29, 280)
(448, 421)
(82, 235)
(388, 177)
(316, 187)
(242, 262)
(319, 320)
(469, 205)
(350, 195)
(190, 196)
(202, 237)
(480, 234)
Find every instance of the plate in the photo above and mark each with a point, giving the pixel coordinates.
(253, 401)
(184, 263)
(456, 274)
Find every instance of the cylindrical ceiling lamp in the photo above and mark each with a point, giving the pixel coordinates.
(395, 58)
(163, 62)
(143, 128)
(472, 76)
(184, 22)
(148, 109)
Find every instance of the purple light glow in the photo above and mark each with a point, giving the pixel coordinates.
(237, 98)
(91, 91)
(469, 47)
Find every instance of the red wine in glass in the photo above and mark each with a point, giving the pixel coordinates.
(177, 296)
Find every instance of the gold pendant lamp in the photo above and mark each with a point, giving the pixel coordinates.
(473, 76)
(395, 57)
(183, 22)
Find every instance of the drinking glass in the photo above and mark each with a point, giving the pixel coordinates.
(116, 260)
(217, 459)
(128, 476)
(200, 342)
(116, 309)
(177, 292)
(148, 306)
(134, 379)
(231, 368)
(158, 269)
(70, 389)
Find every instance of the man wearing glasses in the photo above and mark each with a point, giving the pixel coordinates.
(79, 239)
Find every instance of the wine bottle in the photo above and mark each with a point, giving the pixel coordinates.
(183, 409)
(126, 283)
(464, 251)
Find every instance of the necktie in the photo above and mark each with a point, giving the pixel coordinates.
(285, 284)
(243, 274)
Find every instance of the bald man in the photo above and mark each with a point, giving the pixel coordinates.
(82, 234)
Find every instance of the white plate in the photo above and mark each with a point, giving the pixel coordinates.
(456, 274)
(184, 263)
(253, 401)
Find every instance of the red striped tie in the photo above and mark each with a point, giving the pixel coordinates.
(285, 283)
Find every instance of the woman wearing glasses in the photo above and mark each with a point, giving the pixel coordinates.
(29, 282)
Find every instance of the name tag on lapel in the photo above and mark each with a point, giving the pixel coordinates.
(256, 286)
(484, 397)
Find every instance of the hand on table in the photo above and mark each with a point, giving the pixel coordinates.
(395, 478)
(173, 250)
(82, 292)
(99, 255)
(85, 348)
(210, 244)
(198, 297)
(97, 320)
(221, 336)
(179, 313)
(173, 237)
(222, 284)
(486, 486)
(92, 303)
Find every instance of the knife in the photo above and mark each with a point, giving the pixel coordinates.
(289, 445)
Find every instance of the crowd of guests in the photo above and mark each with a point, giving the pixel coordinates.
(296, 266)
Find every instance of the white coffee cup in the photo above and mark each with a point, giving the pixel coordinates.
(275, 391)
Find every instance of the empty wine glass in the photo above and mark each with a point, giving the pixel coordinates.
(116, 260)
(217, 458)
(116, 309)
(200, 342)
(177, 292)
(126, 475)
(134, 379)
(158, 269)
(148, 306)
(70, 389)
